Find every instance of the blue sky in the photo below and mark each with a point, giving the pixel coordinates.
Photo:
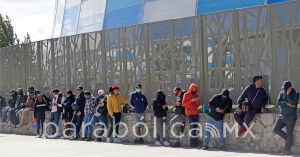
(32, 16)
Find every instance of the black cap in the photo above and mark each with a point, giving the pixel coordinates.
(79, 88)
(257, 78)
(70, 92)
(55, 91)
(87, 93)
(138, 85)
(286, 85)
(225, 92)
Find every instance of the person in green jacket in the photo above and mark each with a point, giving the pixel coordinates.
(287, 102)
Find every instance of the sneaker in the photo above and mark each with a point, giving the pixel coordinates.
(108, 140)
(166, 143)
(39, 136)
(157, 143)
(135, 141)
(141, 140)
(117, 140)
(205, 148)
(241, 132)
(83, 139)
(176, 145)
(98, 139)
(285, 153)
(88, 139)
(222, 148)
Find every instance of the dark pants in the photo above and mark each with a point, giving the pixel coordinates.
(245, 117)
(77, 120)
(54, 118)
(40, 119)
(289, 123)
(114, 124)
(193, 121)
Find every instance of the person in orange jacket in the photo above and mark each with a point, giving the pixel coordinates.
(191, 104)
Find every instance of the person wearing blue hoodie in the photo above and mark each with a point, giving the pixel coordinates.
(139, 103)
(287, 102)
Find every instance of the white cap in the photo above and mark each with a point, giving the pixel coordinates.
(101, 91)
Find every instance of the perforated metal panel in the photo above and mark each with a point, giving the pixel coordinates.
(216, 51)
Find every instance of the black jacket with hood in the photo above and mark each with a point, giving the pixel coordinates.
(158, 102)
(218, 101)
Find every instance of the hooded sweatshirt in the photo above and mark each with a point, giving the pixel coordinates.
(288, 103)
(158, 102)
(191, 107)
(218, 101)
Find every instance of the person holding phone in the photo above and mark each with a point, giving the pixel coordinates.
(191, 104)
(287, 102)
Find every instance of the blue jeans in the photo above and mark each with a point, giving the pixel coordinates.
(102, 123)
(54, 118)
(215, 127)
(193, 121)
(88, 129)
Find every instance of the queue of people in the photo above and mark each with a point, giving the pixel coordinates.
(84, 109)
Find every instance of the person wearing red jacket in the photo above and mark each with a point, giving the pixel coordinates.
(191, 104)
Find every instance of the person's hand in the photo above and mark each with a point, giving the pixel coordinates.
(219, 110)
(112, 116)
(263, 110)
(78, 113)
(238, 111)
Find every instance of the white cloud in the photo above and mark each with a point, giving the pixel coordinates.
(32, 16)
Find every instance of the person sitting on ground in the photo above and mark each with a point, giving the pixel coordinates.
(287, 102)
(252, 101)
(40, 107)
(160, 116)
(219, 105)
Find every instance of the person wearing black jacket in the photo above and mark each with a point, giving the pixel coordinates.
(252, 101)
(179, 115)
(100, 115)
(12, 105)
(219, 105)
(79, 111)
(20, 100)
(39, 108)
(160, 113)
(68, 111)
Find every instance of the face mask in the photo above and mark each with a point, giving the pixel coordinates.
(138, 90)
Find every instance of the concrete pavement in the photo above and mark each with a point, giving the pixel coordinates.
(29, 146)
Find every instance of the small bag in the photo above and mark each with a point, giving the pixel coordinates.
(74, 106)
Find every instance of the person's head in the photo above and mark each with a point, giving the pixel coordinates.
(115, 90)
(225, 94)
(79, 90)
(257, 80)
(55, 92)
(177, 91)
(101, 92)
(193, 89)
(138, 88)
(20, 91)
(87, 94)
(287, 85)
(12, 92)
(39, 98)
(69, 93)
(160, 95)
(30, 90)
